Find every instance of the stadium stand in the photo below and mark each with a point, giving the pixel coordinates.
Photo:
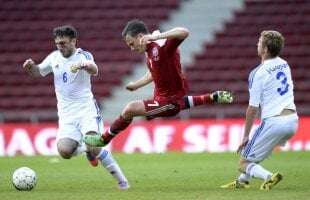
(26, 31)
(224, 64)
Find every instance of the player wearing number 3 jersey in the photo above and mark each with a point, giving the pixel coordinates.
(163, 62)
(271, 90)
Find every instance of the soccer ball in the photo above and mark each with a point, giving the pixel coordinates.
(24, 178)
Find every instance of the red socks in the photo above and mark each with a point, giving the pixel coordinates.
(117, 126)
(192, 101)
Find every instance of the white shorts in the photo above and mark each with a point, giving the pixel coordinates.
(86, 118)
(271, 132)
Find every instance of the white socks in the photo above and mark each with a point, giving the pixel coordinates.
(106, 159)
(80, 149)
(111, 165)
(244, 178)
(257, 171)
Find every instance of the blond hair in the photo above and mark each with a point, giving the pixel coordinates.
(273, 40)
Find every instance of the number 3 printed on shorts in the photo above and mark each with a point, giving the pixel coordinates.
(282, 77)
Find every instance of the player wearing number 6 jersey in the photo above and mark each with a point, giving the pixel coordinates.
(271, 91)
(164, 69)
(78, 112)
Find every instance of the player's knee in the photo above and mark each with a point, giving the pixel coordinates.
(66, 147)
(128, 111)
(129, 108)
(65, 154)
(133, 109)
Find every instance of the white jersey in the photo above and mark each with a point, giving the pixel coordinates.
(72, 89)
(271, 87)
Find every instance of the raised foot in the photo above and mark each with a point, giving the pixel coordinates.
(222, 97)
(94, 140)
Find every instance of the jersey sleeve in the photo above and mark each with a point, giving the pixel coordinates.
(172, 44)
(90, 59)
(255, 88)
(45, 66)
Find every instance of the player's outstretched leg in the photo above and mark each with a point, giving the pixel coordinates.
(94, 140)
(222, 97)
(107, 160)
(117, 126)
(274, 180)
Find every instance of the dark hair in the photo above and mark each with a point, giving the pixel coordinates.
(63, 31)
(134, 27)
(273, 40)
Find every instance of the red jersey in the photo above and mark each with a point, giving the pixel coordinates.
(163, 61)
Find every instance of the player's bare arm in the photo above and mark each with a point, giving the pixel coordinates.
(144, 80)
(32, 68)
(178, 33)
(89, 67)
(250, 117)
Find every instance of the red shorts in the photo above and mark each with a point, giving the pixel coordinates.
(162, 108)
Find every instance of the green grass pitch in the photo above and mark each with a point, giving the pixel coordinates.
(171, 176)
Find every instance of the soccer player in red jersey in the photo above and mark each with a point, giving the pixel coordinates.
(163, 62)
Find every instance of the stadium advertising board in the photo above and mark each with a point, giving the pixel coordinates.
(147, 137)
